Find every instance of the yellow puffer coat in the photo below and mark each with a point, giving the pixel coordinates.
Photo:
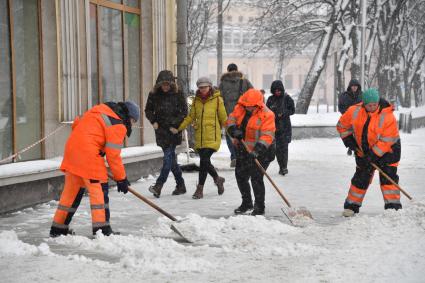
(208, 118)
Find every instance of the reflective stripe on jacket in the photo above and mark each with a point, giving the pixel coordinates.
(100, 130)
(261, 125)
(382, 132)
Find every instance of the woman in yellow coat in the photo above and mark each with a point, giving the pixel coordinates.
(208, 116)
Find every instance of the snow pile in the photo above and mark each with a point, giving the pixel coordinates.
(10, 245)
(149, 254)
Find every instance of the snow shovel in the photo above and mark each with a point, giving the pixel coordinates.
(388, 177)
(292, 213)
(163, 212)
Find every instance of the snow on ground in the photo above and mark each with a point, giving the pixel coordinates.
(375, 246)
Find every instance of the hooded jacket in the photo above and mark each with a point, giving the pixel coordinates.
(99, 132)
(348, 98)
(168, 109)
(208, 117)
(260, 127)
(283, 107)
(381, 135)
(232, 86)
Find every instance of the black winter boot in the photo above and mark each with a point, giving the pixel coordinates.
(56, 232)
(395, 206)
(258, 210)
(180, 189)
(156, 189)
(244, 207)
(106, 231)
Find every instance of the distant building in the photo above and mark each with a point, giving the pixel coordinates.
(261, 68)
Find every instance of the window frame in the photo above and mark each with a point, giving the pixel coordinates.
(123, 9)
(98, 5)
(13, 76)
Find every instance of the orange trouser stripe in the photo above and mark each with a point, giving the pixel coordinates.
(73, 184)
(355, 194)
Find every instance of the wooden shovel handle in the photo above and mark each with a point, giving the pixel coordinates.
(391, 180)
(267, 175)
(147, 201)
(386, 176)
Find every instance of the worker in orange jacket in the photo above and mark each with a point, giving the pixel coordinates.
(254, 123)
(100, 132)
(370, 129)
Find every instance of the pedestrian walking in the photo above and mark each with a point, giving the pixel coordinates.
(283, 107)
(351, 96)
(166, 107)
(232, 86)
(370, 130)
(254, 123)
(208, 116)
(100, 132)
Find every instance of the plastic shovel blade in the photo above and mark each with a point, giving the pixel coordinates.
(298, 216)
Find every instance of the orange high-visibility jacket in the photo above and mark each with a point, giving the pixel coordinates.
(382, 131)
(100, 130)
(260, 127)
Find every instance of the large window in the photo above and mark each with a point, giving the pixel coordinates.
(267, 81)
(113, 55)
(20, 95)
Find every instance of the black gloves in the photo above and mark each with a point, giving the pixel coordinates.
(254, 154)
(350, 142)
(235, 133)
(258, 150)
(123, 186)
(371, 157)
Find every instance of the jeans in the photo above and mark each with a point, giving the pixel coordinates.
(169, 163)
(231, 147)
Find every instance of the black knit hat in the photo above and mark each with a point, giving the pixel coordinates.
(165, 76)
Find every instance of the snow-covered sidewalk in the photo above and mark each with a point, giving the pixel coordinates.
(375, 246)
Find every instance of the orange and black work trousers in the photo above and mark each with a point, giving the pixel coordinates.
(71, 198)
(361, 181)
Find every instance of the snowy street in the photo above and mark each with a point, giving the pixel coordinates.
(374, 246)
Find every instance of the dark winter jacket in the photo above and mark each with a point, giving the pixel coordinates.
(167, 109)
(232, 86)
(283, 107)
(348, 98)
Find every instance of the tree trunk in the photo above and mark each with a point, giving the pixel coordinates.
(316, 68)
(279, 74)
(219, 40)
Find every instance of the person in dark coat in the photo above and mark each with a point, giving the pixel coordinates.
(166, 108)
(283, 107)
(232, 86)
(351, 96)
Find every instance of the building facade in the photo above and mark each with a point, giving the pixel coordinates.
(59, 58)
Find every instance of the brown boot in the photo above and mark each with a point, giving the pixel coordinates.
(156, 189)
(180, 189)
(199, 193)
(219, 181)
